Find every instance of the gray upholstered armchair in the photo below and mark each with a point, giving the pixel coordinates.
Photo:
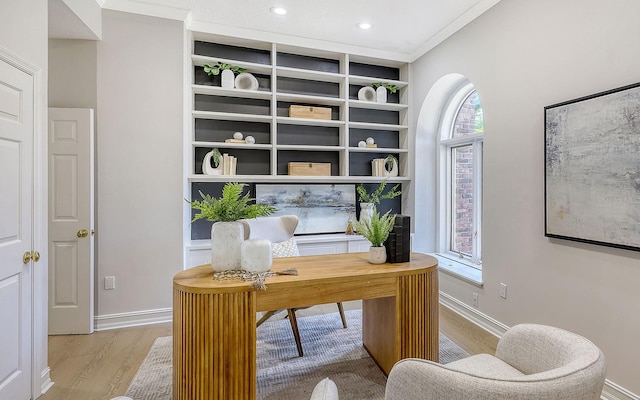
(531, 362)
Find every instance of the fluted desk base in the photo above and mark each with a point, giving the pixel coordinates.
(214, 322)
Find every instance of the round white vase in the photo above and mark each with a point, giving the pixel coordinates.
(226, 241)
(381, 94)
(228, 79)
(366, 211)
(377, 255)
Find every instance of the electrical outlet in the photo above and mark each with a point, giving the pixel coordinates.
(475, 299)
(503, 290)
(109, 282)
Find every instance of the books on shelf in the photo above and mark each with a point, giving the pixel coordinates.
(235, 141)
(229, 164)
(377, 167)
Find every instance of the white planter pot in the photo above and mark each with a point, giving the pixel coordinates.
(377, 255)
(255, 255)
(227, 79)
(381, 94)
(226, 241)
(366, 211)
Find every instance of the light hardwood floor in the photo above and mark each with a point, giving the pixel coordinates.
(101, 366)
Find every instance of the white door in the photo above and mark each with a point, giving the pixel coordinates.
(16, 236)
(71, 220)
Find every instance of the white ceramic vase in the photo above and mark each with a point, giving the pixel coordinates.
(366, 211)
(255, 255)
(226, 241)
(381, 94)
(394, 169)
(377, 255)
(228, 79)
(207, 169)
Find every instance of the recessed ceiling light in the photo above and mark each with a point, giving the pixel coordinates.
(278, 10)
(364, 25)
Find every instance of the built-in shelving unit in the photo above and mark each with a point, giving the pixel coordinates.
(288, 76)
(296, 76)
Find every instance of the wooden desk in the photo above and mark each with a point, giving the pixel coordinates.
(214, 322)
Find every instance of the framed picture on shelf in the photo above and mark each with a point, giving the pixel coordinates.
(320, 208)
(592, 172)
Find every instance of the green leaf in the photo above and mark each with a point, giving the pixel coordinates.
(377, 195)
(377, 228)
(231, 206)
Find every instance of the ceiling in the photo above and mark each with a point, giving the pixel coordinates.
(401, 29)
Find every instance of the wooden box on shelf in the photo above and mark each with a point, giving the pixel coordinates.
(309, 169)
(310, 112)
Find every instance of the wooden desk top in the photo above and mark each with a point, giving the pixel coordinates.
(325, 268)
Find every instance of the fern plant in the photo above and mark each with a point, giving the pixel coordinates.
(376, 229)
(231, 206)
(378, 194)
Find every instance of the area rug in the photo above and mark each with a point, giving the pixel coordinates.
(329, 351)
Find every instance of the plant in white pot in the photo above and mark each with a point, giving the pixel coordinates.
(376, 229)
(369, 200)
(381, 90)
(226, 71)
(227, 234)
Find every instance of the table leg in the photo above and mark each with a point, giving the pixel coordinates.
(214, 346)
(403, 326)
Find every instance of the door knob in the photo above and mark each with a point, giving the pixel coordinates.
(26, 257)
(35, 256)
(82, 233)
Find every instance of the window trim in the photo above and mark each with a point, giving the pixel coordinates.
(445, 144)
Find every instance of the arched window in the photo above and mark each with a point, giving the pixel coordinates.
(460, 144)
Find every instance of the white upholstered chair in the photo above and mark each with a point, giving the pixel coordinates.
(280, 230)
(532, 362)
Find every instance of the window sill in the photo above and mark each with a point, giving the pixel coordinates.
(459, 270)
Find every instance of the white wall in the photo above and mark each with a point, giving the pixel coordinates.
(523, 55)
(139, 161)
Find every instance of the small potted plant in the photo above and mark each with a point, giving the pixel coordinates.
(226, 71)
(381, 90)
(368, 201)
(227, 234)
(376, 229)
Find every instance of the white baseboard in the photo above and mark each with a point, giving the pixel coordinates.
(611, 390)
(136, 318)
(45, 381)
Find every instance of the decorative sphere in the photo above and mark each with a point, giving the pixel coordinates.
(370, 140)
(238, 135)
(250, 139)
(362, 144)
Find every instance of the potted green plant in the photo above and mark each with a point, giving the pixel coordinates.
(376, 229)
(227, 234)
(391, 88)
(368, 201)
(226, 71)
(381, 90)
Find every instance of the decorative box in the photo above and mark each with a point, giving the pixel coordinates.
(310, 112)
(310, 169)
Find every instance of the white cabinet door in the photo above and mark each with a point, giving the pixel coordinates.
(16, 235)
